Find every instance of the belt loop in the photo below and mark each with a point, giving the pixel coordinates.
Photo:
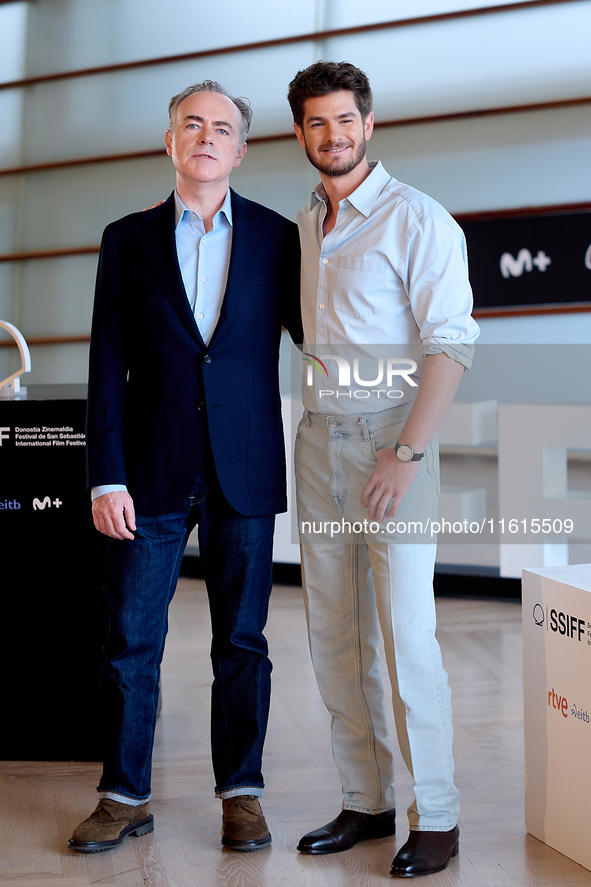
(307, 418)
(363, 424)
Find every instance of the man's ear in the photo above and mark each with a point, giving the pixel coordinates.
(168, 142)
(368, 126)
(300, 135)
(240, 155)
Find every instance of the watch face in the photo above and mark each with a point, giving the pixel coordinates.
(405, 453)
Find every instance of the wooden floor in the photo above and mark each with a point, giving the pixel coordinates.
(481, 641)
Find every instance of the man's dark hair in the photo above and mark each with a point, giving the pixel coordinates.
(242, 104)
(322, 78)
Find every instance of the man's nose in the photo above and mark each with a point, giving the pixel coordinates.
(206, 135)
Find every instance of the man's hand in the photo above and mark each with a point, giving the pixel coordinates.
(114, 515)
(391, 480)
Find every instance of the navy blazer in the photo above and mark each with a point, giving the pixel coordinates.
(155, 389)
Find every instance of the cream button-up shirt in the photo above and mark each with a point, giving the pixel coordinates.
(388, 285)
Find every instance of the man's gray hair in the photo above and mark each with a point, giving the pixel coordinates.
(242, 103)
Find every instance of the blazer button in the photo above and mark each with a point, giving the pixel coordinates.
(201, 407)
(207, 359)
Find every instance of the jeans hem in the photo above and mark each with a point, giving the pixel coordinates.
(131, 800)
(236, 791)
(431, 828)
(368, 812)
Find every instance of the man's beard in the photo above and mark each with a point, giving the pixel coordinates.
(340, 170)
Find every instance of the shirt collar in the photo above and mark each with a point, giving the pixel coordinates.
(365, 196)
(180, 209)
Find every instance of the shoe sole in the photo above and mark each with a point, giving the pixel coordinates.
(402, 874)
(137, 829)
(246, 846)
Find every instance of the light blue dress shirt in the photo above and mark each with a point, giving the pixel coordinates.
(204, 259)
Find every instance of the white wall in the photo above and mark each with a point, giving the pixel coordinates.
(524, 159)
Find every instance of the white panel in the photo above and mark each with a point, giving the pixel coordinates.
(514, 558)
(503, 59)
(13, 32)
(276, 174)
(70, 34)
(469, 424)
(9, 193)
(348, 13)
(57, 296)
(128, 111)
(6, 283)
(285, 549)
(544, 330)
(532, 442)
(58, 364)
(528, 159)
(11, 115)
(496, 162)
(467, 64)
(72, 206)
(462, 504)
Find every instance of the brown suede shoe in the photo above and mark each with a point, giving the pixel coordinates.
(110, 824)
(243, 824)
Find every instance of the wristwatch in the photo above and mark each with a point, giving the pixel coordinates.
(406, 453)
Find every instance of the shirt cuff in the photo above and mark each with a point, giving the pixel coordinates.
(95, 492)
(463, 354)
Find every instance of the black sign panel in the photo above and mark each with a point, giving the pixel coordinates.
(527, 261)
(53, 612)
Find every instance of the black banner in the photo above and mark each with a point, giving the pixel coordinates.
(53, 612)
(529, 261)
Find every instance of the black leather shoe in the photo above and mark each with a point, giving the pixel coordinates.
(348, 828)
(425, 853)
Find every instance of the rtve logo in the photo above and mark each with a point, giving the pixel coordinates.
(4, 434)
(558, 702)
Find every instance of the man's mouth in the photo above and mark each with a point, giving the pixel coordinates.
(335, 149)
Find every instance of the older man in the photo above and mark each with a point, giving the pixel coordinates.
(184, 428)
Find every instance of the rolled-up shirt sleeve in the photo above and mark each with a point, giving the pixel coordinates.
(439, 290)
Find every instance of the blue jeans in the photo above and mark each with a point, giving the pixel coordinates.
(139, 582)
(362, 584)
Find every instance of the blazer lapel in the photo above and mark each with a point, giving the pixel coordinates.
(247, 242)
(155, 232)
